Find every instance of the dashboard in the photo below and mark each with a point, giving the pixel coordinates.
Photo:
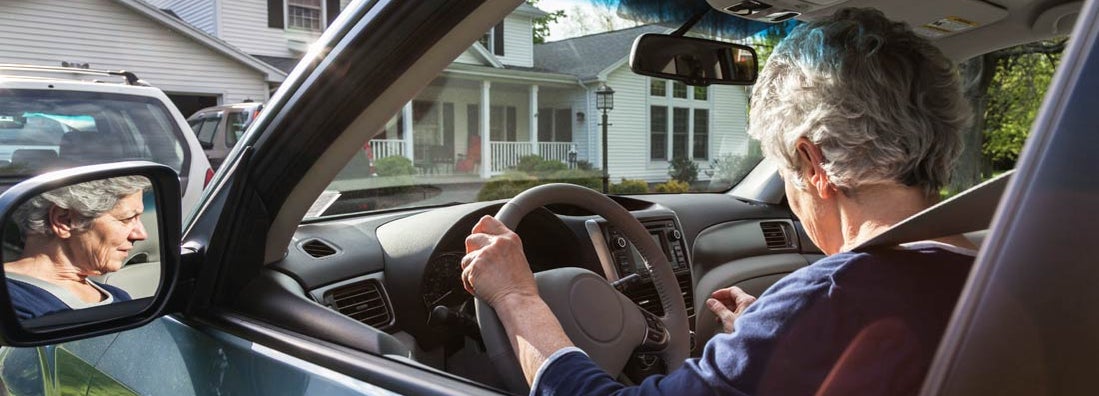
(398, 273)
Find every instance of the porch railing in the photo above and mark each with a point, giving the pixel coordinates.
(555, 150)
(505, 155)
(387, 147)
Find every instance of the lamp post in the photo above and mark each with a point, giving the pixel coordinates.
(604, 101)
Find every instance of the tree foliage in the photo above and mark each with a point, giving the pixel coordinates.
(542, 24)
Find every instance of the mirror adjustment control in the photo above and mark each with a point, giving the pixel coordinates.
(675, 235)
(620, 242)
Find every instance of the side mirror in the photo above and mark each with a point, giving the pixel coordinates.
(87, 251)
(693, 61)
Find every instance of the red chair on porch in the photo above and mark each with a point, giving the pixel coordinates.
(472, 160)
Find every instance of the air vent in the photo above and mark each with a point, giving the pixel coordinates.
(645, 296)
(776, 235)
(317, 248)
(363, 301)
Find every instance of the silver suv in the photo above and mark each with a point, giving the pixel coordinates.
(219, 127)
(54, 117)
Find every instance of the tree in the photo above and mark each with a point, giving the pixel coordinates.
(542, 24)
(1005, 89)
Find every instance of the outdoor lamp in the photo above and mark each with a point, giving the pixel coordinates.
(604, 98)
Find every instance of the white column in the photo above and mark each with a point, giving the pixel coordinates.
(406, 120)
(534, 119)
(486, 145)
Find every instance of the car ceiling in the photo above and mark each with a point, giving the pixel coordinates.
(1001, 24)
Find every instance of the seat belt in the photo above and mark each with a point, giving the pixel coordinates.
(969, 211)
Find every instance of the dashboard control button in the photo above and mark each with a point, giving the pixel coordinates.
(620, 242)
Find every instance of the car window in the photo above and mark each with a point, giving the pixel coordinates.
(205, 127)
(67, 128)
(235, 125)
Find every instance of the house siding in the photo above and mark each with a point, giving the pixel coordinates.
(198, 13)
(245, 26)
(468, 58)
(518, 41)
(107, 35)
(729, 131)
(629, 143)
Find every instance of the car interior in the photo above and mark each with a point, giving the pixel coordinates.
(388, 282)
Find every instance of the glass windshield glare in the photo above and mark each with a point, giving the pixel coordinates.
(528, 104)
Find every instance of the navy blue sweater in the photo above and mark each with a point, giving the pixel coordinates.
(31, 301)
(882, 313)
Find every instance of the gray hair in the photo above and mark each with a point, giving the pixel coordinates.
(85, 201)
(883, 104)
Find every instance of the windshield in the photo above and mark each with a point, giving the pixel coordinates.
(522, 107)
(42, 131)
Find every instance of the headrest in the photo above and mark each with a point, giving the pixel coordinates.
(33, 159)
(86, 148)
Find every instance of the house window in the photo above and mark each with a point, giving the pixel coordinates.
(701, 93)
(658, 87)
(701, 149)
(502, 124)
(679, 90)
(658, 132)
(304, 15)
(680, 130)
(493, 40)
(554, 125)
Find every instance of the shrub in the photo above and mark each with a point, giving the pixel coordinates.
(584, 165)
(394, 166)
(628, 186)
(730, 169)
(683, 169)
(507, 185)
(587, 178)
(673, 186)
(536, 165)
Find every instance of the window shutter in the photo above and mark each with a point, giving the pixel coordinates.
(275, 18)
(332, 8)
(498, 39)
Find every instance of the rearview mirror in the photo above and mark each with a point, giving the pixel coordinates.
(693, 61)
(87, 250)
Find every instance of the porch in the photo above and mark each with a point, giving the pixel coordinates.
(436, 159)
(441, 130)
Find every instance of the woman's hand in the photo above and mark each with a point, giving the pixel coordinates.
(728, 304)
(494, 267)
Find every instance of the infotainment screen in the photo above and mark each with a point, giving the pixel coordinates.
(639, 262)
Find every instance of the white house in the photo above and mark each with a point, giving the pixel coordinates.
(194, 68)
(525, 98)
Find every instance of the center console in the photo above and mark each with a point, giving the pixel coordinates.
(620, 259)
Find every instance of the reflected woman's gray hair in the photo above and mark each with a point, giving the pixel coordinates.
(86, 201)
(883, 104)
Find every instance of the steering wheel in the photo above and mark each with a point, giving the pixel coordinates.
(598, 319)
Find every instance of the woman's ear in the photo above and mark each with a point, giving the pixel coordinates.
(60, 222)
(813, 167)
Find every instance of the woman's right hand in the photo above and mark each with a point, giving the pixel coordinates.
(728, 304)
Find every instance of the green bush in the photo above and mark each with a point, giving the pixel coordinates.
(586, 178)
(628, 186)
(394, 166)
(584, 165)
(507, 185)
(683, 169)
(729, 169)
(673, 187)
(536, 165)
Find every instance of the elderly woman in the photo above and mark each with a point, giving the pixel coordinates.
(864, 118)
(72, 233)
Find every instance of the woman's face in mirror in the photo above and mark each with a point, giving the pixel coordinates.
(107, 241)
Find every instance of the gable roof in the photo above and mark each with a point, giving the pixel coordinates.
(271, 73)
(589, 56)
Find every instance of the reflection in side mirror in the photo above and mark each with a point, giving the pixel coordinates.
(693, 61)
(83, 245)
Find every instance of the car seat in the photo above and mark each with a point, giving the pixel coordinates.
(34, 160)
(87, 148)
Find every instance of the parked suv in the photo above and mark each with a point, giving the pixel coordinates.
(54, 117)
(218, 128)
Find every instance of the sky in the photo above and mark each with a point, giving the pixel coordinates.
(581, 18)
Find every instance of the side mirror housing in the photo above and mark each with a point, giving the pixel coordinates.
(694, 61)
(87, 251)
